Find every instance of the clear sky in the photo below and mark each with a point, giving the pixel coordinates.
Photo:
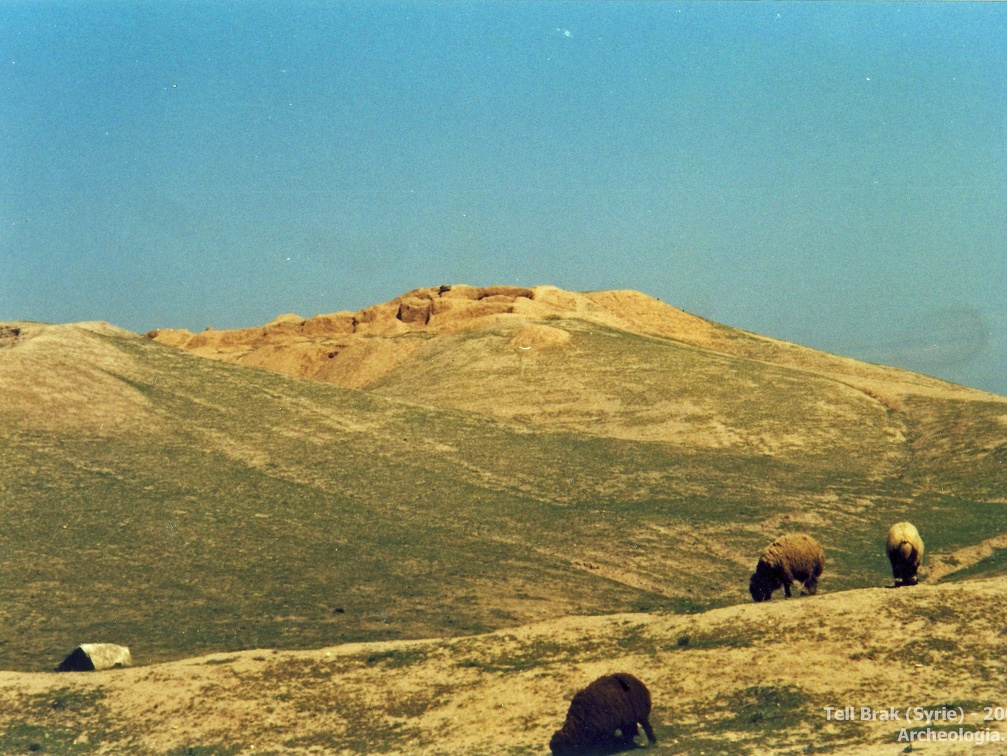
(827, 173)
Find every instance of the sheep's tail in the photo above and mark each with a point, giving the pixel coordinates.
(907, 550)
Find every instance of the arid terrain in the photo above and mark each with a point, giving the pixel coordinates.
(421, 527)
(742, 679)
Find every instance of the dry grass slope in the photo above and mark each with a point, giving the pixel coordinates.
(546, 485)
(750, 679)
(357, 349)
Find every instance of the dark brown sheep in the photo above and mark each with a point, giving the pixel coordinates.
(603, 718)
(905, 552)
(789, 559)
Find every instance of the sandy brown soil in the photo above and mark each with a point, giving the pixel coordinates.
(929, 646)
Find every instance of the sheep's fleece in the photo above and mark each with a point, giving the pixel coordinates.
(905, 552)
(603, 717)
(791, 558)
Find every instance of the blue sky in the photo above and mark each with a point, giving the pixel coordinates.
(827, 173)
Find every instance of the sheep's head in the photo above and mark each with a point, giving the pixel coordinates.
(562, 743)
(761, 587)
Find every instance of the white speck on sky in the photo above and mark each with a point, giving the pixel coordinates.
(721, 157)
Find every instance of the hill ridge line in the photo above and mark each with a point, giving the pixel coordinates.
(354, 349)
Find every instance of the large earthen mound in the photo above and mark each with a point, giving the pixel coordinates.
(359, 349)
(355, 349)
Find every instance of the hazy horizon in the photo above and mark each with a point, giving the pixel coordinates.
(832, 174)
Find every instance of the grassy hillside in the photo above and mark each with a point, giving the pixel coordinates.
(181, 505)
(744, 679)
(256, 510)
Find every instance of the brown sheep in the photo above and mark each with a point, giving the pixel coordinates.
(603, 716)
(789, 559)
(905, 552)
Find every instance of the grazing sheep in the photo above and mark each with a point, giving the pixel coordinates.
(788, 559)
(905, 552)
(603, 717)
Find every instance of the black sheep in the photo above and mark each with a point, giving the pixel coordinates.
(603, 718)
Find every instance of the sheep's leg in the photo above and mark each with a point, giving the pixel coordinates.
(624, 735)
(649, 730)
(786, 589)
(621, 738)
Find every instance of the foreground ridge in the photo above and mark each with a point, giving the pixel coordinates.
(734, 676)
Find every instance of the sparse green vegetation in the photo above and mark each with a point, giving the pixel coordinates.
(252, 510)
(756, 719)
(397, 657)
(199, 750)
(925, 651)
(724, 637)
(58, 723)
(765, 708)
(258, 510)
(993, 565)
(539, 653)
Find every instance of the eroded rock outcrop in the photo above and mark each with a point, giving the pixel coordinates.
(356, 349)
(9, 334)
